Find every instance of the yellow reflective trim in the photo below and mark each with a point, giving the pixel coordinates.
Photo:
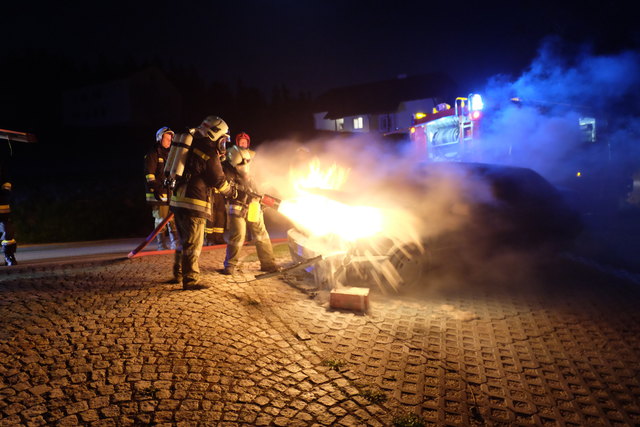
(8, 242)
(199, 153)
(6, 186)
(218, 230)
(5, 208)
(160, 160)
(150, 177)
(208, 230)
(151, 198)
(204, 209)
(190, 201)
(224, 187)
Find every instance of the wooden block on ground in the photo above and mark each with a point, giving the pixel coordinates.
(356, 299)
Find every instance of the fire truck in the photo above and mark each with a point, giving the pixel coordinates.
(453, 133)
(590, 176)
(449, 133)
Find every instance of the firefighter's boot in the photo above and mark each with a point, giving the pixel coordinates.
(9, 254)
(177, 268)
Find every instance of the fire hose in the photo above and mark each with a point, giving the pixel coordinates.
(151, 236)
(265, 200)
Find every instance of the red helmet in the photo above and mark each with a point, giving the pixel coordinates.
(243, 135)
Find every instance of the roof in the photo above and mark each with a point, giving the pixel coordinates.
(384, 96)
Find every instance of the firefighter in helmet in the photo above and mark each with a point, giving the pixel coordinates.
(154, 163)
(7, 237)
(243, 140)
(244, 209)
(192, 197)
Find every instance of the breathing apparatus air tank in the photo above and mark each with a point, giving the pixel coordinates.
(174, 168)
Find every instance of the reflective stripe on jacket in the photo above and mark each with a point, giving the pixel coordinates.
(154, 162)
(5, 197)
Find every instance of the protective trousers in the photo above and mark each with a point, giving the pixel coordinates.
(214, 231)
(159, 213)
(237, 235)
(191, 237)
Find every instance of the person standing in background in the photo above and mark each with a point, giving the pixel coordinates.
(156, 195)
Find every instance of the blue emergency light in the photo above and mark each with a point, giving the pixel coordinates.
(475, 106)
(475, 102)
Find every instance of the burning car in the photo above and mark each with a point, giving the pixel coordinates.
(438, 213)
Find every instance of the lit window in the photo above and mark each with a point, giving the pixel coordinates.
(340, 124)
(358, 123)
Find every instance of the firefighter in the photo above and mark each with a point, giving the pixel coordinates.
(154, 163)
(243, 140)
(191, 199)
(244, 210)
(7, 237)
(214, 230)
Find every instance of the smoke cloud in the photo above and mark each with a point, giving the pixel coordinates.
(379, 175)
(563, 84)
(449, 204)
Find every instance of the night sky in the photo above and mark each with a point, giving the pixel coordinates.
(316, 45)
(307, 46)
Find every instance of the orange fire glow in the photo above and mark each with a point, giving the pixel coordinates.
(319, 215)
(368, 240)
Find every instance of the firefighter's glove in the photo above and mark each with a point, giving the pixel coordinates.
(157, 193)
(241, 196)
(240, 192)
(233, 191)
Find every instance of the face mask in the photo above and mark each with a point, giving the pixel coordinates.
(222, 144)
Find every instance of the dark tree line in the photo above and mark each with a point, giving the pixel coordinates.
(32, 85)
(85, 183)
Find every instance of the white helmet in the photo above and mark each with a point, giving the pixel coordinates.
(240, 158)
(162, 131)
(214, 127)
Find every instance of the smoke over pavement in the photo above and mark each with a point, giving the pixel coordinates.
(459, 214)
(488, 215)
(380, 176)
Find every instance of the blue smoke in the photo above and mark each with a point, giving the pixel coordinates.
(563, 84)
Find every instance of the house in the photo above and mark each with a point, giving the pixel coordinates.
(144, 98)
(381, 107)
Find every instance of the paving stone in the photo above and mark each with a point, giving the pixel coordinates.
(545, 358)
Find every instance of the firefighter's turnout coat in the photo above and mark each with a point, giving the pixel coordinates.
(154, 162)
(203, 172)
(238, 204)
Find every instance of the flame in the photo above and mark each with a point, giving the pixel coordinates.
(331, 179)
(321, 216)
(347, 235)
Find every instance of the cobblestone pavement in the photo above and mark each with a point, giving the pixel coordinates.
(114, 344)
